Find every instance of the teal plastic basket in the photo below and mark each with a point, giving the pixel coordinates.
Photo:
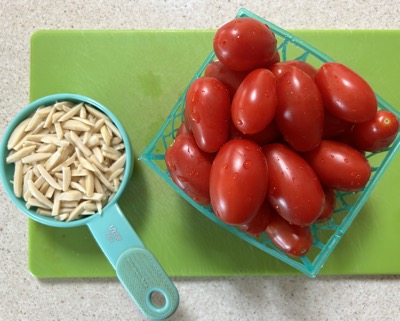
(326, 235)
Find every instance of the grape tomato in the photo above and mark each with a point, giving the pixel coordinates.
(238, 181)
(244, 44)
(208, 103)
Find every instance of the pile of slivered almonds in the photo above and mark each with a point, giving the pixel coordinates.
(69, 160)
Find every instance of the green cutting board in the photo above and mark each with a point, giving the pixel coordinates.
(139, 75)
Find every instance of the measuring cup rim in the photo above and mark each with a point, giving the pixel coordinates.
(23, 114)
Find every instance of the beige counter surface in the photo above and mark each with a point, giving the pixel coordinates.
(23, 297)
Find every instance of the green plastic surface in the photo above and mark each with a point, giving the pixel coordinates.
(139, 75)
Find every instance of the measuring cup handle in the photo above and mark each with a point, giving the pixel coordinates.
(136, 268)
(143, 277)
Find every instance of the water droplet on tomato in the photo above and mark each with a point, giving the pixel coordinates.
(346, 160)
(239, 122)
(172, 167)
(247, 164)
(226, 166)
(235, 175)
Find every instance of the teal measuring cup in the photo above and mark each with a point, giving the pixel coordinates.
(136, 268)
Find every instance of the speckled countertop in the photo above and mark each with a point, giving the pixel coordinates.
(226, 298)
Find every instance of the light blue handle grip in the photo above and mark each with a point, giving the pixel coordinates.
(136, 268)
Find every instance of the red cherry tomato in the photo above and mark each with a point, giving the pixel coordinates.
(278, 69)
(230, 78)
(259, 223)
(376, 134)
(238, 181)
(339, 166)
(294, 240)
(189, 168)
(244, 44)
(294, 190)
(208, 104)
(329, 206)
(345, 94)
(254, 104)
(300, 112)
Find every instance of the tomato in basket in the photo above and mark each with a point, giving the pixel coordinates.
(245, 44)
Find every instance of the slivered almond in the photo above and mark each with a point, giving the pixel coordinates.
(53, 139)
(97, 186)
(119, 147)
(99, 123)
(89, 185)
(95, 197)
(47, 148)
(78, 187)
(18, 179)
(96, 113)
(70, 196)
(110, 155)
(48, 177)
(99, 165)
(93, 141)
(111, 150)
(119, 163)
(97, 152)
(43, 112)
(90, 206)
(57, 204)
(59, 130)
(57, 116)
(71, 113)
(37, 157)
(106, 135)
(34, 121)
(36, 137)
(68, 204)
(66, 178)
(43, 189)
(78, 143)
(113, 128)
(104, 180)
(62, 217)
(66, 163)
(43, 211)
(49, 118)
(50, 192)
(84, 121)
(34, 202)
(83, 112)
(62, 104)
(116, 141)
(84, 162)
(76, 212)
(38, 195)
(75, 125)
(17, 134)
(115, 174)
(53, 160)
(99, 206)
(19, 154)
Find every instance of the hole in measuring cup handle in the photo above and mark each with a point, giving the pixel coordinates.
(158, 300)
